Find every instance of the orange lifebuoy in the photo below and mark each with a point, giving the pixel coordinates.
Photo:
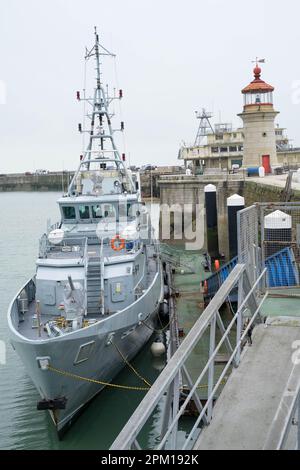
(121, 243)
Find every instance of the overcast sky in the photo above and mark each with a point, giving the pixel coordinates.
(173, 57)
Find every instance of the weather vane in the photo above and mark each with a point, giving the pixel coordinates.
(258, 61)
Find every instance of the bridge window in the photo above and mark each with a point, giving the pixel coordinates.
(109, 210)
(84, 212)
(69, 212)
(97, 212)
(133, 210)
(100, 211)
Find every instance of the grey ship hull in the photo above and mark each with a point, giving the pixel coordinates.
(129, 330)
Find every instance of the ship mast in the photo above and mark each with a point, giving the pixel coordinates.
(100, 111)
(100, 116)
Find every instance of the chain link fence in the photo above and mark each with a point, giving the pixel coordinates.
(248, 241)
(280, 243)
(269, 236)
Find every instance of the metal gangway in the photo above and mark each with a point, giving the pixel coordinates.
(167, 382)
(259, 406)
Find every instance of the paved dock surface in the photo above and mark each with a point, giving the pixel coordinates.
(245, 411)
(276, 180)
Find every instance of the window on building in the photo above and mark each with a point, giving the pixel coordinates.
(236, 162)
(215, 150)
(233, 149)
(241, 148)
(84, 212)
(223, 149)
(219, 136)
(234, 135)
(69, 212)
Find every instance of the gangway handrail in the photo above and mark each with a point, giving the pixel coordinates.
(295, 407)
(127, 438)
(287, 415)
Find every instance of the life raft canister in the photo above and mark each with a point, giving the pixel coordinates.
(120, 243)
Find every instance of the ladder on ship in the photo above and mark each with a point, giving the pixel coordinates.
(95, 284)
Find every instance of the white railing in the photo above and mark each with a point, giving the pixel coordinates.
(75, 246)
(292, 419)
(284, 433)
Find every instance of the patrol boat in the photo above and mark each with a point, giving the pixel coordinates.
(93, 301)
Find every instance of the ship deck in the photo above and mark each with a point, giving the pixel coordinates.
(26, 329)
(25, 326)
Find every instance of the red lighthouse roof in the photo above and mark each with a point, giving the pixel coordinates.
(257, 85)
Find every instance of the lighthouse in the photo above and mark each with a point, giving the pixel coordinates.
(259, 129)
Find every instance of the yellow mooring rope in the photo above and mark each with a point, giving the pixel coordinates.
(108, 384)
(131, 366)
(99, 382)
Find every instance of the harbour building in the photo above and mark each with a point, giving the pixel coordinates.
(259, 142)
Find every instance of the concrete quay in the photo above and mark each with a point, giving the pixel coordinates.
(250, 411)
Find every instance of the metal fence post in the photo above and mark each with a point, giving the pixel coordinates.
(239, 238)
(298, 424)
(175, 408)
(167, 411)
(211, 370)
(239, 321)
(262, 243)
